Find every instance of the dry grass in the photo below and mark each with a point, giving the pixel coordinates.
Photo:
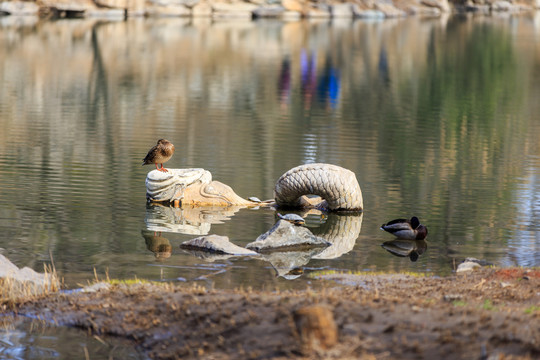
(14, 291)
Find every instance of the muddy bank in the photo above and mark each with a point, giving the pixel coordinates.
(479, 315)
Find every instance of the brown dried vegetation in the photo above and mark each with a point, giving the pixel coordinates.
(478, 315)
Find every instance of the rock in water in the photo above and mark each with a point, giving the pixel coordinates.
(217, 244)
(25, 282)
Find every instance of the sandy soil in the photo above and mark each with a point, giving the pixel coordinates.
(488, 314)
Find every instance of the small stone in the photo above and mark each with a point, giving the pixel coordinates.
(316, 328)
(96, 287)
(467, 266)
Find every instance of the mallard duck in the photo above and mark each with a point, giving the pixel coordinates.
(159, 153)
(406, 229)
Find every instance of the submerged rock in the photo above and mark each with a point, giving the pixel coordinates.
(284, 235)
(216, 244)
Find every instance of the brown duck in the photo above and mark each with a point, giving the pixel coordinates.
(159, 153)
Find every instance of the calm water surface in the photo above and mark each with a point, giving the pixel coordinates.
(437, 118)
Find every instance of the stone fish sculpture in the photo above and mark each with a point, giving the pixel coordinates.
(337, 189)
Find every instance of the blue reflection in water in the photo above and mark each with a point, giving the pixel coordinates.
(526, 240)
(326, 85)
(329, 85)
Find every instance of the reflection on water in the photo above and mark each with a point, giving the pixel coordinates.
(437, 117)
(26, 339)
(158, 244)
(186, 220)
(406, 248)
(341, 231)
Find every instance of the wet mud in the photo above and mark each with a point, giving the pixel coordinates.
(486, 314)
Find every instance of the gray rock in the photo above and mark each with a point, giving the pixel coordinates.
(368, 14)
(318, 13)
(442, 5)
(24, 282)
(341, 10)
(274, 11)
(19, 8)
(173, 10)
(470, 264)
(467, 266)
(502, 6)
(216, 244)
(110, 14)
(130, 5)
(284, 235)
(233, 11)
(202, 9)
(291, 15)
(389, 10)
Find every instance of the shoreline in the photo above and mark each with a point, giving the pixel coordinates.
(477, 314)
(289, 10)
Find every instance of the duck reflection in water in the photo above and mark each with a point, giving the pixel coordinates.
(156, 243)
(412, 249)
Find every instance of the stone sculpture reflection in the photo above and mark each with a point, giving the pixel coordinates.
(186, 220)
(287, 247)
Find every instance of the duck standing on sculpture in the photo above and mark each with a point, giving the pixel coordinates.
(406, 229)
(159, 153)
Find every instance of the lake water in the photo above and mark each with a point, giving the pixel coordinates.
(438, 118)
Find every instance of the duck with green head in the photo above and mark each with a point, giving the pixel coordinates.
(406, 229)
